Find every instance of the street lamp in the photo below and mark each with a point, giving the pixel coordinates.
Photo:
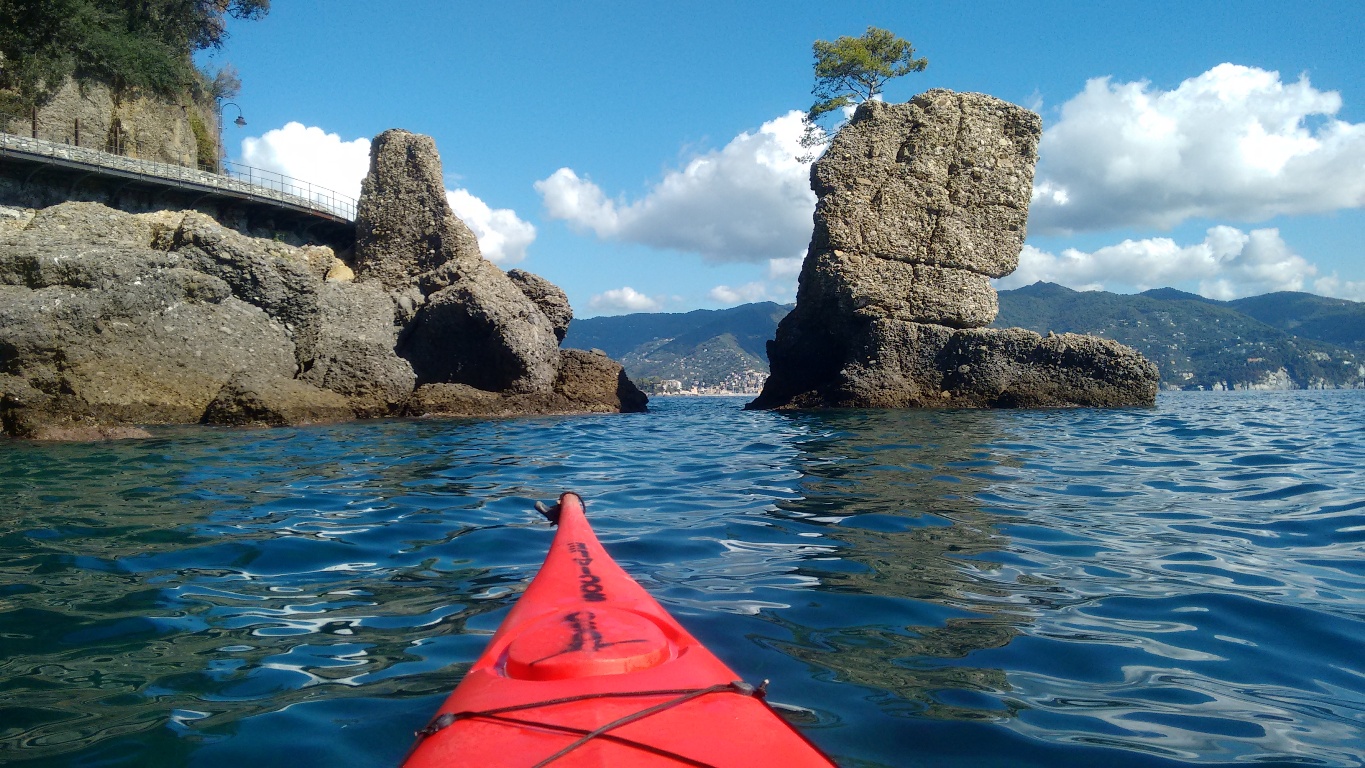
(239, 122)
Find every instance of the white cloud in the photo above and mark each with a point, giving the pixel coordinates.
(624, 299)
(744, 294)
(747, 202)
(1228, 264)
(1233, 143)
(1332, 285)
(310, 155)
(503, 238)
(779, 285)
(785, 269)
(579, 202)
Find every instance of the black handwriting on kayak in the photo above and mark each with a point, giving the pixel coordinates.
(589, 583)
(585, 631)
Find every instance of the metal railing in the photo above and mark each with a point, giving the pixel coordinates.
(236, 178)
(291, 187)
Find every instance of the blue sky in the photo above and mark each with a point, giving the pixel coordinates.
(639, 154)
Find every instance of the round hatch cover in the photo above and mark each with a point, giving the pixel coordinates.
(586, 642)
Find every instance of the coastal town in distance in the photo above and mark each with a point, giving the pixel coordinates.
(747, 382)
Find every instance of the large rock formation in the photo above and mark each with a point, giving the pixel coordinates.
(404, 226)
(920, 204)
(110, 319)
(473, 328)
(472, 324)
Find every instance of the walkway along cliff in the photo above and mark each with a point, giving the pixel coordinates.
(920, 204)
(111, 319)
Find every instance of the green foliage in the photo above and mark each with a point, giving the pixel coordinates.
(854, 69)
(224, 83)
(206, 148)
(137, 44)
(34, 58)
(648, 384)
(1336, 321)
(709, 362)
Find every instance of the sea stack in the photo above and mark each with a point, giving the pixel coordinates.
(480, 341)
(920, 204)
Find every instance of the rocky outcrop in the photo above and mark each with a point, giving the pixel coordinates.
(110, 319)
(920, 204)
(586, 382)
(404, 225)
(97, 326)
(548, 297)
(484, 332)
(895, 364)
(266, 274)
(592, 381)
(353, 350)
(249, 399)
(471, 323)
(943, 181)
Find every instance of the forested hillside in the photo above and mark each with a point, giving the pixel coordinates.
(1335, 321)
(1198, 342)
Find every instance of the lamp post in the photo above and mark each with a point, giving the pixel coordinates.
(239, 122)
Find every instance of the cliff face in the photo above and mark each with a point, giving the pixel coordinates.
(111, 319)
(920, 204)
(93, 115)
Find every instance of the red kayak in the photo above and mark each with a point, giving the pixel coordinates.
(588, 670)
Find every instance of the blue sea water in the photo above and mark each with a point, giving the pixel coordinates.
(1182, 585)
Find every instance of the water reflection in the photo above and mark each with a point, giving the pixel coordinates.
(918, 589)
(1175, 585)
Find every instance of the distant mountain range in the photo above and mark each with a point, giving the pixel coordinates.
(721, 348)
(1280, 340)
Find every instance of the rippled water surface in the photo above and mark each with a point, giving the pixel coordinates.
(1178, 585)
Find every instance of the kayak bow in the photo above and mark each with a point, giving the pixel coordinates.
(589, 670)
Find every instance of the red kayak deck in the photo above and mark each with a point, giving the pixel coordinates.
(589, 670)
